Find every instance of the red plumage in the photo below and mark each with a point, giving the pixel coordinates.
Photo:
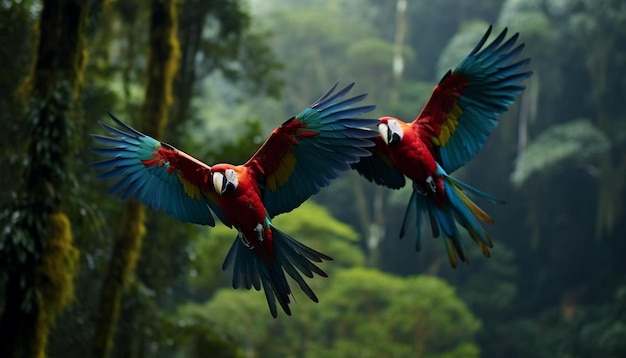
(299, 158)
(450, 129)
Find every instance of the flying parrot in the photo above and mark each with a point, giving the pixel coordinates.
(299, 158)
(452, 127)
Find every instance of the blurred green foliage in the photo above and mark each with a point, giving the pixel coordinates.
(578, 141)
(554, 284)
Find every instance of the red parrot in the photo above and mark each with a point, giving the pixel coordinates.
(452, 127)
(299, 158)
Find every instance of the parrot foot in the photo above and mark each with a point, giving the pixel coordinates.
(430, 182)
(244, 240)
(418, 188)
(258, 230)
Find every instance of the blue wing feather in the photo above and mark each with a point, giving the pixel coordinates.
(339, 139)
(325, 101)
(493, 81)
(153, 185)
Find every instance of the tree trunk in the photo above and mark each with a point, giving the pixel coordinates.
(162, 65)
(376, 232)
(38, 257)
(194, 15)
(610, 193)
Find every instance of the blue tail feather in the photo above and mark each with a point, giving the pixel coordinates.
(409, 208)
(476, 192)
(290, 256)
(456, 209)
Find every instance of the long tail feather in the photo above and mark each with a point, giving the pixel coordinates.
(467, 213)
(291, 257)
(412, 204)
(458, 208)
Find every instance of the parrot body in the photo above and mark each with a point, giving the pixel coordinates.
(299, 158)
(243, 207)
(451, 128)
(412, 157)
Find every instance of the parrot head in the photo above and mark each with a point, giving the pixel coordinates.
(390, 130)
(224, 180)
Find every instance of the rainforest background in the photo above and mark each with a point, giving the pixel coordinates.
(84, 274)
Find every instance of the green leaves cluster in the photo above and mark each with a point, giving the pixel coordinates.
(248, 66)
(362, 311)
(578, 142)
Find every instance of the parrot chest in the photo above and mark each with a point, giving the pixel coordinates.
(414, 160)
(243, 207)
(245, 211)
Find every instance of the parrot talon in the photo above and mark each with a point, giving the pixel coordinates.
(258, 229)
(244, 240)
(418, 188)
(431, 184)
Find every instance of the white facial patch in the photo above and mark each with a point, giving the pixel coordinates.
(395, 128)
(231, 178)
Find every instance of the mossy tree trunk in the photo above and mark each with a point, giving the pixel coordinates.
(163, 59)
(194, 17)
(38, 259)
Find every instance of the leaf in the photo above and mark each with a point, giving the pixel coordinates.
(578, 141)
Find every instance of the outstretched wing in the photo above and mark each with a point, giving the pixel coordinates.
(156, 174)
(462, 110)
(309, 150)
(379, 167)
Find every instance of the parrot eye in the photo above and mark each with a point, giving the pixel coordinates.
(394, 126)
(231, 180)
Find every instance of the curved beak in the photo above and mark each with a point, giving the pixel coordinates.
(219, 182)
(394, 137)
(384, 131)
(389, 135)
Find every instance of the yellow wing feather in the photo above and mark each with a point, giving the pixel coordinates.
(190, 189)
(287, 166)
(448, 127)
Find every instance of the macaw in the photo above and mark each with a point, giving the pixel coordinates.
(299, 158)
(452, 127)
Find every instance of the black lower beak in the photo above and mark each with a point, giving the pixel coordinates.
(224, 184)
(393, 137)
